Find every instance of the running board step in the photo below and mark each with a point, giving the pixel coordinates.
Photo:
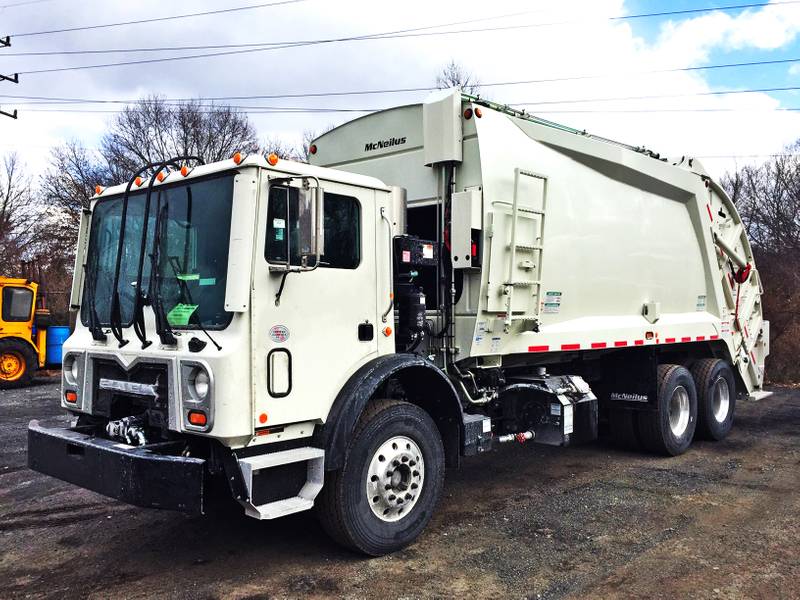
(304, 500)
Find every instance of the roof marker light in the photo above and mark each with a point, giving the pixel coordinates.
(161, 176)
(272, 159)
(312, 149)
(478, 112)
(98, 189)
(184, 170)
(468, 114)
(137, 182)
(238, 158)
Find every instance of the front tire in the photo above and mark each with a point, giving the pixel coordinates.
(391, 481)
(17, 363)
(716, 398)
(670, 428)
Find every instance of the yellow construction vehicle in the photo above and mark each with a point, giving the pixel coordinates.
(23, 331)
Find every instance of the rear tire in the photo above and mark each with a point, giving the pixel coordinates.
(18, 362)
(670, 428)
(716, 398)
(393, 474)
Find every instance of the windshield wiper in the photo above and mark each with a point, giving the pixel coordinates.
(94, 321)
(115, 314)
(163, 328)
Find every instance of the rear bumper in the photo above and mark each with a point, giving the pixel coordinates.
(134, 475)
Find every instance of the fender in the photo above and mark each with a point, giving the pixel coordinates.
(424, 384)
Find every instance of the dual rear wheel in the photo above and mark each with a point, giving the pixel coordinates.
(697, 402)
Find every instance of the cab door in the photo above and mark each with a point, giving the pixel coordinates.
(312, 329)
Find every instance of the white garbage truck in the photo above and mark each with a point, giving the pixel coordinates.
(443, 277)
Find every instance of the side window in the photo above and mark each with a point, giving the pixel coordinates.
(17, 304)
(341, 246)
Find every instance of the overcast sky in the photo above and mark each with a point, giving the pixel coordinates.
(561, 39)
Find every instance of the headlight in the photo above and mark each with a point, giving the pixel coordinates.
(199, 384)
(70, 368)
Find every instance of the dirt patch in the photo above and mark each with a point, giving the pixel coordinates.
(522, 521)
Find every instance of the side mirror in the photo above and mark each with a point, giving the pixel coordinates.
(301, 235)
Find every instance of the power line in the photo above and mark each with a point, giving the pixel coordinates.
(539, 103)
(414, 32)
(15, 4)
(50, 99)
(157, 19)
(656, 96)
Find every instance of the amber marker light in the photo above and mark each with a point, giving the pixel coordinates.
(184, 170)
(198, 418)
(98, 189)
(71, 397)
(387, 331)
(161, 176)
(238, 158)
(478, 113)
(272, 159)
(468, 114)
(137, 182)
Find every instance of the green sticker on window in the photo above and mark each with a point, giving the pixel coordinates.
(279, 235)
(179, 316)
(208, 281)
(188, 276)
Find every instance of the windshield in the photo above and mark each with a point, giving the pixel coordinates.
(195, 226)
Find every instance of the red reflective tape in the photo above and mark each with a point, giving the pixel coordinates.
(745, 331)
(753, 356)
(570, 346)
(598, 344)
(669, 340)
(638, 342)
(710, 216)
(686, 339)
(538, 348)
(713, 337)
(700, 338)
(620, 344)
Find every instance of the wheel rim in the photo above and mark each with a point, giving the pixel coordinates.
(721, 399)
(679, 411)
(12, 366)
(394, 479)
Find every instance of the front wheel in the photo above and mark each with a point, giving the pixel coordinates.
(17, 363)
(393, 474)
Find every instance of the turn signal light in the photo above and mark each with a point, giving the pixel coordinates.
(237, 158)
(71, 397)
(272, 159)
(198, 418)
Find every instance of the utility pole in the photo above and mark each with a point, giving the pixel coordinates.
(6, 43)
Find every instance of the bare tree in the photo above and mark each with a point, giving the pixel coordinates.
(17, 215)
(284, 149)
(454, 75)
(153, 130)
(768, 199)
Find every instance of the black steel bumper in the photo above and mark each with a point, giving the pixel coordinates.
(134, 475)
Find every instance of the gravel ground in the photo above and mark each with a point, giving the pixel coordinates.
(528, 521)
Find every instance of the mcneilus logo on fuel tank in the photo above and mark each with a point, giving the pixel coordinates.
(381, 144)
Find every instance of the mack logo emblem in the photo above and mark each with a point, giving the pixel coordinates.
(625, 397)
(279, 333)
(381, 144)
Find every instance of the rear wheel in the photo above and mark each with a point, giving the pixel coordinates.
(385, 494)
(17, 363)
(716, 398)
(669, 429)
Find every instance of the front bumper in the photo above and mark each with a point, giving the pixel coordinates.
(134, 475)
